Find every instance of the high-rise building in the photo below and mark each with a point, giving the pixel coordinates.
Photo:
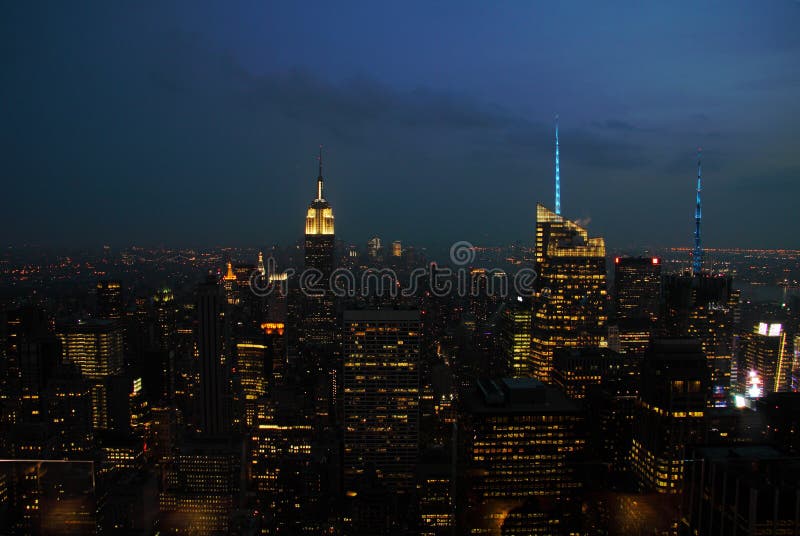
(637, 284)
(280, 468)
(436, 493)
(397, 248)
(795, 378)
(320, 243)
(68, 409)
(96, 348)
(781, 411)
(576, 370)
(704, 307)
(230, 285)
(670, 412)
(252, 367)
(570, 308)
(374, 247)
(381, 395)
(165, 315)
(202, 487)
(214, 404)
(743, 490)
(38, 356)
(765, 361)
(630, 336)
(523, 443)
(109, 299)
(514, 337)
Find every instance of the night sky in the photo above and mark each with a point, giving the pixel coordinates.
(184, 124)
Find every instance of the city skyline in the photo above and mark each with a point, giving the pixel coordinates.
(183, 116)
(400, 269)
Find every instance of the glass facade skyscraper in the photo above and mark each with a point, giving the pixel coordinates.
(571, 296)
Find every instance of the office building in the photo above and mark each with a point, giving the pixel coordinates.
(253, 368)
(522, 441)
(514, 337)
(637, 287)
(570, 308)
(214, 400)
(96, 349)
(704, 307)
(744, 490)
(670, 412)
(765, 362)
(202, 487)
(381, 395)
(577, 370)
(109, 299)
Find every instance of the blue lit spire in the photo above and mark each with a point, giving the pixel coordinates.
(697, 255)
(558, 175)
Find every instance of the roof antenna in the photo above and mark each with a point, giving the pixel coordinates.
(558, 175)
(697, 255)
(319, 177)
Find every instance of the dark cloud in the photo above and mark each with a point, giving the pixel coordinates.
(772, 182)
(200, 126)
(616, 124)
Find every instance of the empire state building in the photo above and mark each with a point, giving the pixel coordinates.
(319, 254)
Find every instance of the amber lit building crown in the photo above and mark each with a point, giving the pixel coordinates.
(319, 219)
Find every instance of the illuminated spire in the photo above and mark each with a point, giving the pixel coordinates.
(319, 218)
(319, 177)
(697, 255)
(229, 276)
(558, 175)
(260, 266)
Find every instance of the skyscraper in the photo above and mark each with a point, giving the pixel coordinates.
(570, 308)
(514, 337)
(374, 247)
(744, 489)
(214, 404)
(577, 370)
(38, 353)
(766, 361)
(229, 284)
(637, 284)
(253, 368)
(669, 412)
(381, 395)
(109, 299)
(704, 306)
(96, 349)
(522, 444)
(202, 487)
(320, 244)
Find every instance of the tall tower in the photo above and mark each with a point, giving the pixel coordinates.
(109, 299)
(381, 394)
(214, 411)
(571, 290)
(522, 443)
(319, 255)
(637, 282)
(558, 176)
(697, 255)
(96, 348)
(765, 360)
(669, 412)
